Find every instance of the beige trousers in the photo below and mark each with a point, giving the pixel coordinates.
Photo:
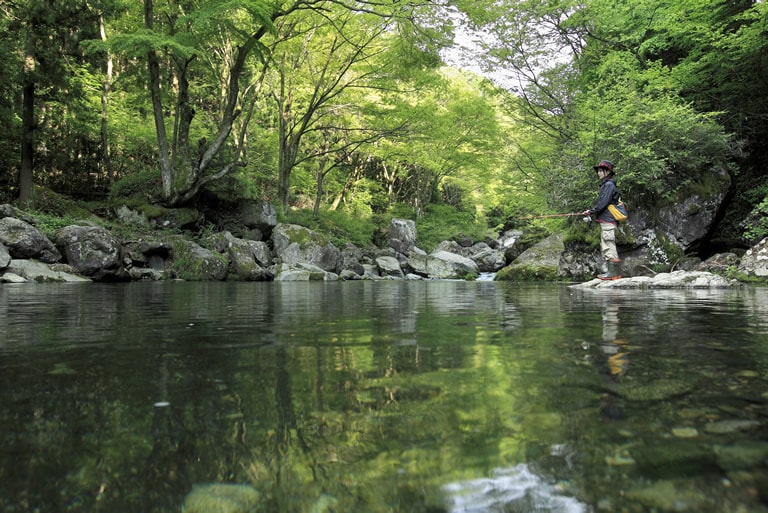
(608, 241)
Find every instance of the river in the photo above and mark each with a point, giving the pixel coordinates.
(382, 396)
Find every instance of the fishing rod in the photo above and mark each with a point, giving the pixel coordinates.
(550, 215)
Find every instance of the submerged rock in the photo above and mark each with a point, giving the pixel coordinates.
(221, 498)
(724, 427)
(670, 495)
(674, 457)
(658, 390)
(742, 455)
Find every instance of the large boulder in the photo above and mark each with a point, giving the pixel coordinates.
(196, 263)
(92, 251)
(295, 244)
(488, 260)
(539, 262)
(755, 260)
(243, 259)
(351, 261)
(389, 266)
(258, 214)
(442, 265)
(25, 241)
(402, 235)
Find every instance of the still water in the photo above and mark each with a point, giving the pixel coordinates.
(434, 397)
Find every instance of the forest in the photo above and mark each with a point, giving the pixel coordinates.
(468, 114)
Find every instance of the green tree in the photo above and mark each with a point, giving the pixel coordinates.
(54, 74)
(322, 59)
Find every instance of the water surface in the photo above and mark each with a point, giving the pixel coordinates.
(440, 396)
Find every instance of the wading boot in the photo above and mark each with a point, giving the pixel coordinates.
(613, 272)
(602, 268)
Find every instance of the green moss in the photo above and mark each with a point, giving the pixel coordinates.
(141, 185)
(733, 273)
(673, 252)
(519, 272)
(188, 266)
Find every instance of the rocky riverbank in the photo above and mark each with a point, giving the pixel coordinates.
(289, 252)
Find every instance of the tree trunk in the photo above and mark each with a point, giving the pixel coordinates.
(166, 169)
(320, 180)
(27, 130)
(104, 164)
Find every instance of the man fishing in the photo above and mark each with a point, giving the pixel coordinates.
(610, 265)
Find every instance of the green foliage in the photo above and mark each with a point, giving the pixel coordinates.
(732, 272)
(341, 226)
(442, 222)
(659, 145)
(49, 224)
(140, 185)
(756, 225)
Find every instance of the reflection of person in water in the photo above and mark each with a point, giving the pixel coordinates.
(616, 357)
(614, 348)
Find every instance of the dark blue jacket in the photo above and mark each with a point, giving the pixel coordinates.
(608, 194)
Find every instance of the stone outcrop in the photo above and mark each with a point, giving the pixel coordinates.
(687, 221)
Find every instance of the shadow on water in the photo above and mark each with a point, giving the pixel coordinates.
(382, 397)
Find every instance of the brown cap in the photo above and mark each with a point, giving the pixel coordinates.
(607, 164)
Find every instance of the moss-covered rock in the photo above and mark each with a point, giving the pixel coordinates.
(538, 263)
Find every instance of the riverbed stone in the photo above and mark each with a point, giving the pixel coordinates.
(25, 241)
(673, 280)
(658, 390)
(8, 277)
(33, 270)
(670, 495)
(92, 251)
(673, 457)
(221, 498)
(303, 272)
(728, 426)
(742, 455)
